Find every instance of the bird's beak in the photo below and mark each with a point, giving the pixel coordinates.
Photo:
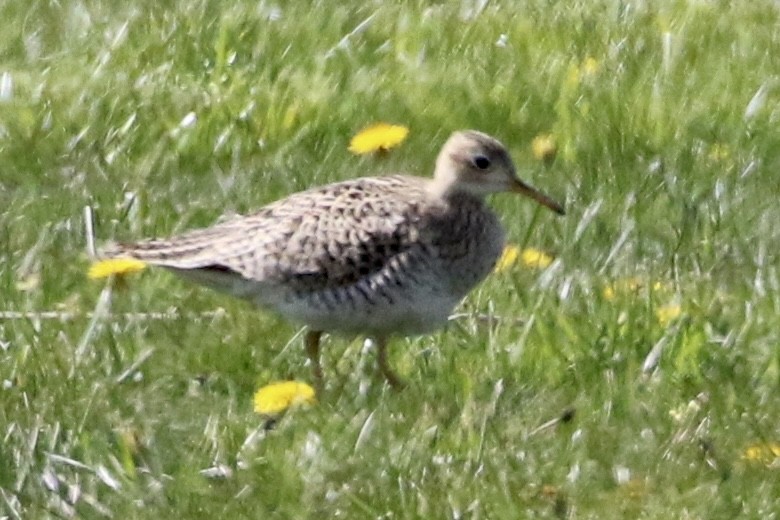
(519, 186)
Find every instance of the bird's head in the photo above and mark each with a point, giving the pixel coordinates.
(475, 163)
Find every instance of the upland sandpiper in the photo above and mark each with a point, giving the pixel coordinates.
(374, 256)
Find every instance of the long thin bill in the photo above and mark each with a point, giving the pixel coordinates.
(520, 187)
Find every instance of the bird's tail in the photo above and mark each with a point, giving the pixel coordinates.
(191, 251)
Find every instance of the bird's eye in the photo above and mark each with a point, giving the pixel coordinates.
(481, 162)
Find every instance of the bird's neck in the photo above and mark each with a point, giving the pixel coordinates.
(446, 189)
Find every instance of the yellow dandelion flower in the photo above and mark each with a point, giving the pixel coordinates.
(529, 257)
(719, 152)
(544, 148)
(277, 397)
(624, 286)
(378, 138)
(535, 259)
(668, 313)
(590, 66)
(766, 453)
(633, 284)
(508, 258)
(117, 266)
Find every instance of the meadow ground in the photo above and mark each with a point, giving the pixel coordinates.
(637, 376)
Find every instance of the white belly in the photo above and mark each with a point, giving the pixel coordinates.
(411, 313)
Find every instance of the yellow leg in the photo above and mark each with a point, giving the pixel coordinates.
(381, 353)
(312, 342)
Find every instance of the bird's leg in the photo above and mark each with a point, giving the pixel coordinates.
(381, 353)
(312, 342)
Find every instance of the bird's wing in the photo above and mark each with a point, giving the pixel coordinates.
(325, 237)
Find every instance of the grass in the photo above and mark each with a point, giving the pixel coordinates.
(162, 117)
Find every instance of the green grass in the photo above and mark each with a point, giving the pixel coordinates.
(666, 181)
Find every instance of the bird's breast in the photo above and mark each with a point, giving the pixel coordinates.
(466, 249)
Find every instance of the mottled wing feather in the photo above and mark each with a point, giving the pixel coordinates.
(321, 238)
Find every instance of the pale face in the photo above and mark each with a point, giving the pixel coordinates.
(478, 164)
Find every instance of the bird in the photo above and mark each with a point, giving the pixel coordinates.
(379, 257)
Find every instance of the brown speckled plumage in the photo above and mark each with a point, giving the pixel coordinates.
(375, 256)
